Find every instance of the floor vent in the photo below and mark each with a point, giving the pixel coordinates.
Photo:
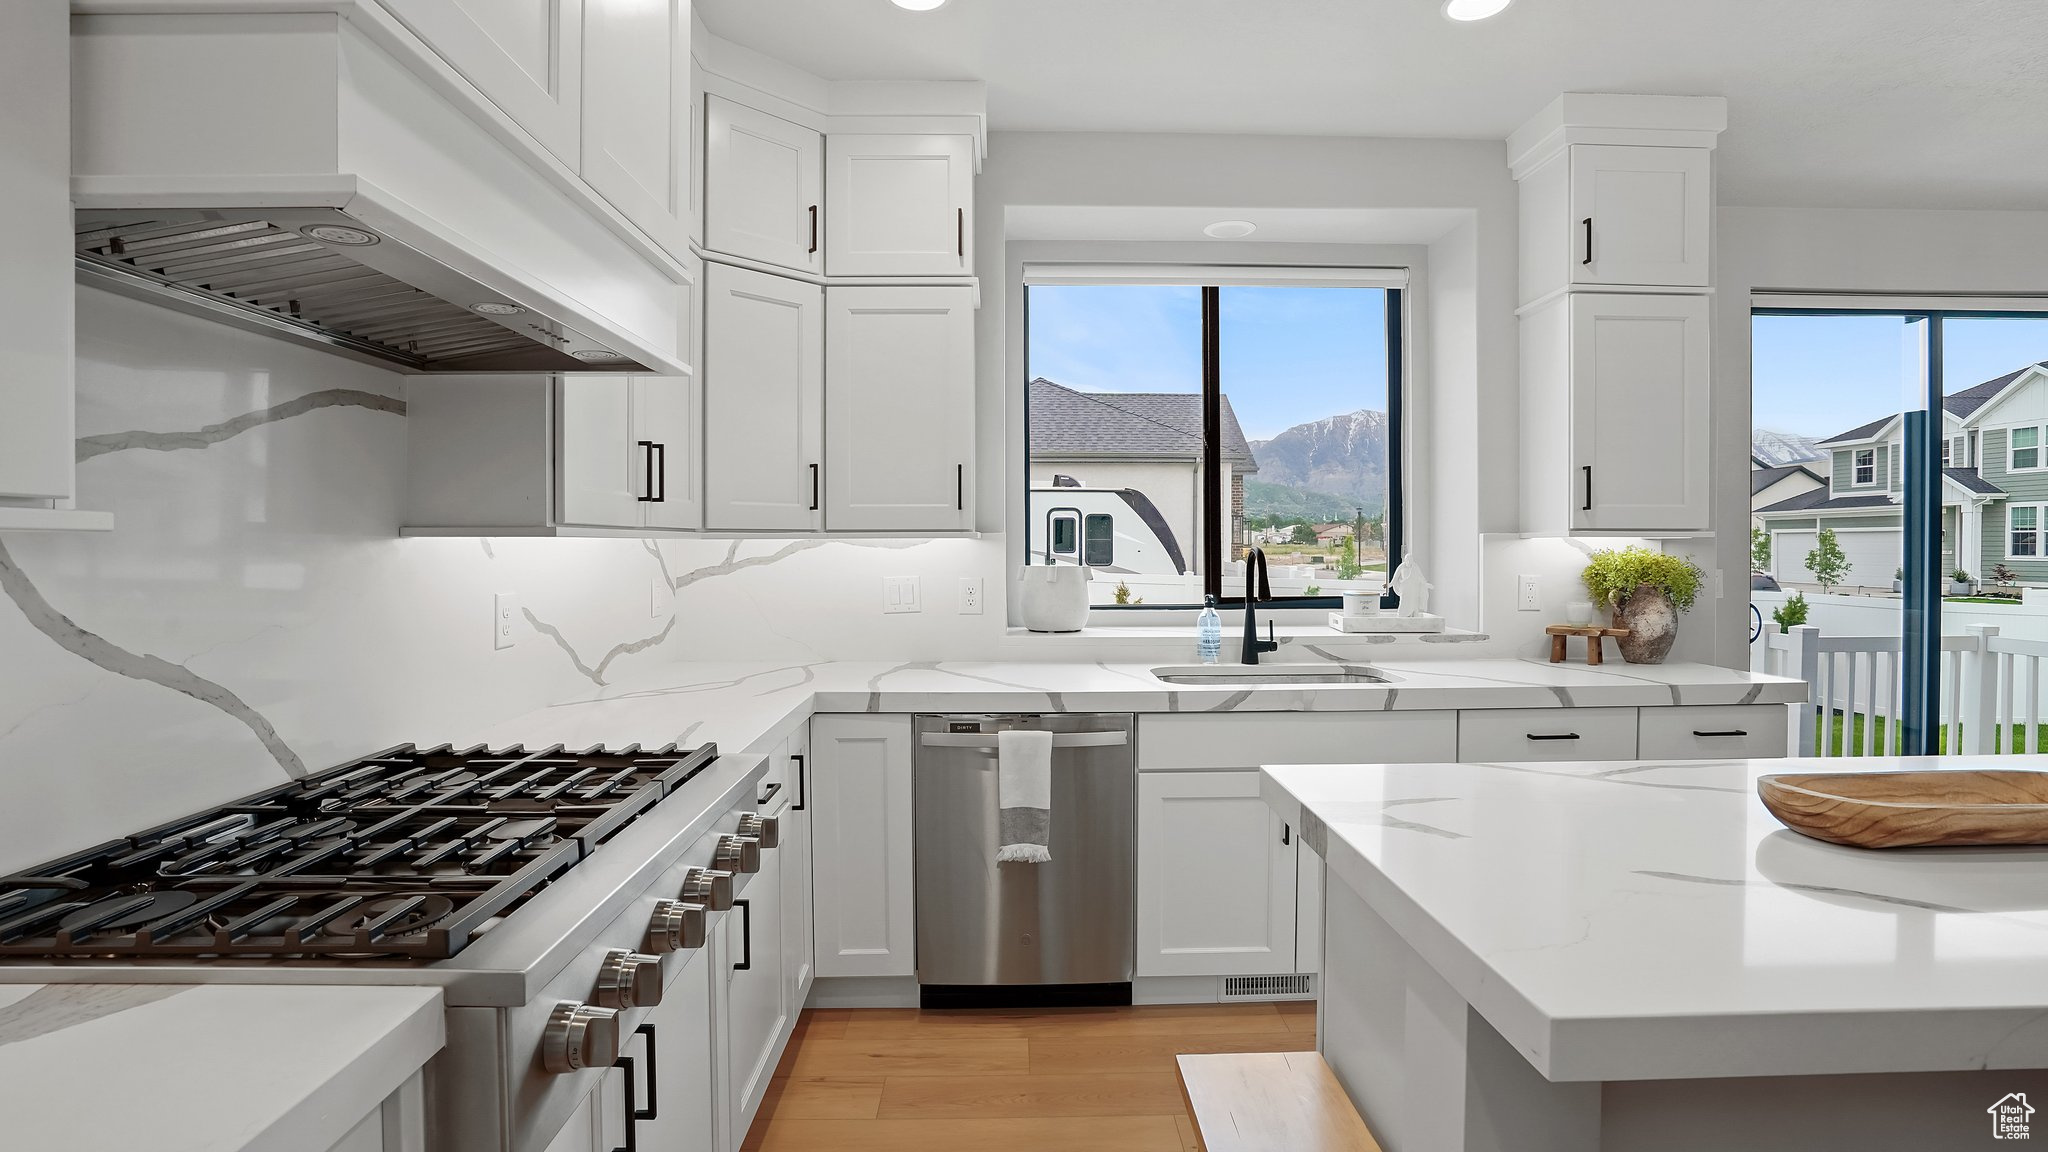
(1269, 987)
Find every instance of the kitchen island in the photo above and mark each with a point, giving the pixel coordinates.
(1637, 956)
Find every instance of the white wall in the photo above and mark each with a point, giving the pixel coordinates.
(1901, 251)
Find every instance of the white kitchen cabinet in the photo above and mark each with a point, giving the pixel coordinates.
(525, 56)
(764, 400)
(899, 205)
(1308, 908)
(1216, 877)
(627, 451)
(763, 188)
(636, 106)
(797, 963)
(899, 408)
(580, 1134)
(1603, 216)
(674, 1102)
(757, 1000)
(1546, 734)
(1713, 732)
(861, 867)
(1615, 414)
(1243, 741)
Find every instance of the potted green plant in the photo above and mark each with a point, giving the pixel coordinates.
(1898, 579)
(1646, 591)
(1959, 583)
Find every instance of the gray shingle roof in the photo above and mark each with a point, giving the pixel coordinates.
(1958, 404)
(1762, 478)
(1065, 421)
(1818, 501)
(1970, 480)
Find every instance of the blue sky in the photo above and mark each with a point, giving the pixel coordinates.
(1289, 355)
(1820, 375)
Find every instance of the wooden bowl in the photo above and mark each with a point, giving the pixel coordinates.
(1954, 808)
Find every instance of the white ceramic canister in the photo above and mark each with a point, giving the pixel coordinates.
(1361, 602)
(1053, 597)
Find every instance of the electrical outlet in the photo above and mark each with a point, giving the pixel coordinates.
(504, 615)
(970, 595)
(900, 594)
(1528, 594)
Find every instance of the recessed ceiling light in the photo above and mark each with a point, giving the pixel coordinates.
(918, 5)
(1474, 9)
(596, 354)
(1230, 229)
(337, 234)
(493, 308)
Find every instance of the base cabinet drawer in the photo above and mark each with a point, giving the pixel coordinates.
(1547, 734)
(1248, 739)
(1715, 732)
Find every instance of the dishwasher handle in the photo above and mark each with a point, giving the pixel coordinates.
(986, 741)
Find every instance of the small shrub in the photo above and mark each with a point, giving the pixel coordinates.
(1123, 594)
(1828, 563)
(1790, 614)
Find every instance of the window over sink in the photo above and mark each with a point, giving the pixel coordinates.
(1177, 416)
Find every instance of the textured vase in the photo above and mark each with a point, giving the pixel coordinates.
(1652, 623)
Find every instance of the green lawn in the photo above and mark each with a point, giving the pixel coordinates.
(1880, 745)
(2006, 600)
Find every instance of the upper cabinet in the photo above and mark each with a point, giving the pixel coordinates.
(1642, 215)
(626, 452)
(525, 56)
(764, 404)
(763, 188)
(899, 408)
(899, 205)
(636, 113)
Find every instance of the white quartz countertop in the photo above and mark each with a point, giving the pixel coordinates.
(203, 1068)
(1627, 921)
(738, 705)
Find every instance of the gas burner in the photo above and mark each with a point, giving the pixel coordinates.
(396, 915)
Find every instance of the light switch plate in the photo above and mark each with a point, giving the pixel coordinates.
(504, 616)
(970, 595)
(1528, 594)
(900, 594)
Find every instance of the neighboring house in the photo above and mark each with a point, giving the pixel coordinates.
(1773, 484)
(1333, 535)
(1149, 441)
(1994, 455)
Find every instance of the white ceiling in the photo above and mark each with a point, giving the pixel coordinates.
(1867, 103)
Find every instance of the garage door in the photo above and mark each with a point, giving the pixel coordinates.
(1874, 555)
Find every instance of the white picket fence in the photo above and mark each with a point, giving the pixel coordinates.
(1989, 684)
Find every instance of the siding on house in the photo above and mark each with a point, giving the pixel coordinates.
(2030, 571)
(1774, 524)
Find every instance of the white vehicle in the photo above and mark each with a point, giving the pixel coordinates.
(1113, 530)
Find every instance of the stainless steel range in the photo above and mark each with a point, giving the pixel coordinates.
(553, 895)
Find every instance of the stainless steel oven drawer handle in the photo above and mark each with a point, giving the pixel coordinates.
(986, 742)
(766, 829)
(678, 925)
(628, 980)
(738, 854)
(710, 888)
(579, 1036)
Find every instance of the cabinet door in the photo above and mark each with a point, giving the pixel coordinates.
(666, 434)
(899, 407)
(899, 205)
(763, 187)
(1639, 380)
(797, 965)
(1215, 880)
(600, 473)
(685, 1093)
(764, 400)
(1648, 210)
(860, 841)
(525, 56)
(636, 102)
(1308, 909)
(580, 1133)
(756, 995)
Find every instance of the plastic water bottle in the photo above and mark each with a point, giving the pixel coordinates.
(1209, 632)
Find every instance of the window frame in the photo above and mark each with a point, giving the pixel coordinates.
(2040, 512)
(2039, 448)
(1393, 282)
(1856, 467)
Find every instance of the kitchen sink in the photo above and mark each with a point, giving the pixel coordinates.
(1273, 674)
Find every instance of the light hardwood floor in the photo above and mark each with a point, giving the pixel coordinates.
(1071, 1080)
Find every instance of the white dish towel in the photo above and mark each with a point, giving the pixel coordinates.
(1024, 795)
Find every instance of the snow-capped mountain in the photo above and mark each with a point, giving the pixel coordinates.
(1775, 448)
(1343, 455)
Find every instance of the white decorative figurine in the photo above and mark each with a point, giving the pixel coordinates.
(1412, 589)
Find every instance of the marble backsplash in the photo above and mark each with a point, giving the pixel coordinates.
(255, 615)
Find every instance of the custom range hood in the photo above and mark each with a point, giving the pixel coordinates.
(370, 202)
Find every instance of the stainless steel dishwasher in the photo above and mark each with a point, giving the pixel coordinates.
(1061, 932)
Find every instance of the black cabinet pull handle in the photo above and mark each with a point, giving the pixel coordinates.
(1588, 222)
(1553, 735)
(801, 791)
(1286, 834)
(1588, 506)
(746, 935)
(647, 458)
(814, 228)
(652, 1111)
(769, 793)
(625, 1066)
(814, 487)
(959, 487)
(660, 468)
(960, 233)
(1728, 732)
